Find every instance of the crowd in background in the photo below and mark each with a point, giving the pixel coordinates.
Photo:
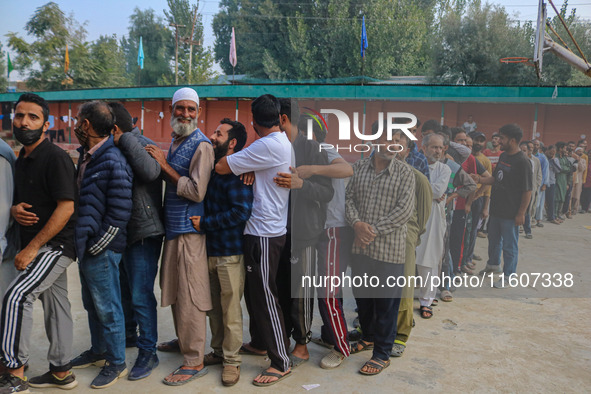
(255, 221)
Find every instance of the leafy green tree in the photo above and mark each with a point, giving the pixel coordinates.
(470, 42)
(472, 37)
(3, 78)
(158, 45)
(195, 67)
(43, 59)
(320, 40)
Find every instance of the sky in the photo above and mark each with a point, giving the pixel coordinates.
(112, 16)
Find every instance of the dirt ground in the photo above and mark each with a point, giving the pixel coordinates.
(486, 340)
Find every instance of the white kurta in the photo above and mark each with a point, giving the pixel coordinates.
(430, 251)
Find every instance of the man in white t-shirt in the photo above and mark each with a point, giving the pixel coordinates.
(264, 235)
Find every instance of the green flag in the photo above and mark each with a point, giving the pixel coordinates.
(9, 68)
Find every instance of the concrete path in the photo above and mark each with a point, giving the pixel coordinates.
(486, 340)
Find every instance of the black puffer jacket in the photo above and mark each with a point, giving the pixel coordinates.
(146, 216)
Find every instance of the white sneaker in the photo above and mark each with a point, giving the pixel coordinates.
(332, 360)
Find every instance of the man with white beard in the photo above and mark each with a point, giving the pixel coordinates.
(184, 276)
(430, 250)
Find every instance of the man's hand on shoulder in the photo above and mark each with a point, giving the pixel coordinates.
(157, 154)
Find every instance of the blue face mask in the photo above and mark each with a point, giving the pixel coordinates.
(27, 137)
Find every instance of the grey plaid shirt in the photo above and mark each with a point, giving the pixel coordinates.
(385, 201)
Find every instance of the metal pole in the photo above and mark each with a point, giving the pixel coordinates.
(191, 46)
(442, 113)
(535, 123)
(568, 56)
(69, 123)
(142, 123)
(568, 31)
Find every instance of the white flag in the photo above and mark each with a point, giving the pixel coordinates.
(555, 93)
(233, 58)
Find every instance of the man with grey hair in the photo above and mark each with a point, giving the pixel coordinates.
(104, 207)
(184, 276)
(430, 250)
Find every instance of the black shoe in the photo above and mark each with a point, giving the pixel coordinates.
(145, 363)
(13, 384)
(354, 335)
(48, 379)
(88, 358)
(109, 375)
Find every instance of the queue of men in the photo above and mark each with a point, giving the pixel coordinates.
(253, 221)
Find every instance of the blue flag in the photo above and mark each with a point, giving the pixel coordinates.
(363, 38)
(140, 55)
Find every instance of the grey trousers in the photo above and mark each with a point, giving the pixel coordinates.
(45, 278)
(7, 274)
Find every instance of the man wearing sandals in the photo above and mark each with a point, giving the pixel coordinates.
(228, 205)
(416, 227)
(184, 277)
(430, 250)
(265, 231)
(380, 200)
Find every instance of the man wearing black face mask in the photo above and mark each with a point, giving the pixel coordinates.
(44, 206)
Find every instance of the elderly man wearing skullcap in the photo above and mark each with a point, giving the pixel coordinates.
(184, 277)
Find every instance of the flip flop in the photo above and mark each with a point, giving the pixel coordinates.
(364, 346)
(376, 364)
(193, 373)
(426, 312)
(446, 296)
(171, 346)
(245, 350)
(296, 361)
(273, 374)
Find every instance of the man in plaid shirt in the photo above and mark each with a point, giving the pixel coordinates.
(380, 199)
(228, 204)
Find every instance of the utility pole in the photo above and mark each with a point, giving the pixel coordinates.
(176, 52)
(189, 41)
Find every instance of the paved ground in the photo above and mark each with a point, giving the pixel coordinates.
(486, 340)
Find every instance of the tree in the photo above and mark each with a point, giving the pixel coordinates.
(158, 45)
(292, 40)
(180, 12)
(469, 43)
(472, 37)
(3, 76)
(556, 71)
(43, 59)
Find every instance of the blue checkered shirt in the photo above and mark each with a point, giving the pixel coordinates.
(228, 203)
(418, 161)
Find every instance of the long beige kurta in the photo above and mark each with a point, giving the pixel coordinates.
(184, 276)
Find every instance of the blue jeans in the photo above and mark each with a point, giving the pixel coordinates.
(101, 297)
(140, 263)
(503, 235)
(540, 207)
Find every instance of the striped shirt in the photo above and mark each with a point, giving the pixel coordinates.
(385, 201)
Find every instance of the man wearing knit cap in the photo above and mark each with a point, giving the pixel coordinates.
(184, 277)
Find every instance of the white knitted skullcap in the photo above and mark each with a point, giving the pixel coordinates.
(185, 94)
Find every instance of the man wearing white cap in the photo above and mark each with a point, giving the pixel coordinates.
(184, 277)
